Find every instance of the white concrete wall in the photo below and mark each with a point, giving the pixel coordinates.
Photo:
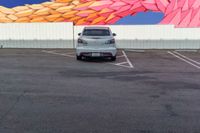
(63, 35)
(36, 35)
(151, 32)
(153, 36)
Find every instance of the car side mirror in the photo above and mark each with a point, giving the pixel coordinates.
(114, 34)
(79, 34)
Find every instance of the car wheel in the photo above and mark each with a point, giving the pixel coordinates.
(78, 57)
(113, 58)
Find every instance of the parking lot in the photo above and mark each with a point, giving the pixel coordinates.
(143, 91)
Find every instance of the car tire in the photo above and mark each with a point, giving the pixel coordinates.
(78, 57)
(113, 58)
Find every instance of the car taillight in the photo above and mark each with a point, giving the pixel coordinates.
(112, 41)
(82, 41)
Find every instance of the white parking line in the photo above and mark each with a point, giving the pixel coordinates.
(120, 56)
(126, 64)
(181, 58)
(52, 52)
(187, 58)
(135, 50)
(186, 50)
(121, 63)
(127, 59)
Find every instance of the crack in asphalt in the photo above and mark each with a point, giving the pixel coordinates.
(12, 107)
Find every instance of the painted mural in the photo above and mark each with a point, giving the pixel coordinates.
(181, 13)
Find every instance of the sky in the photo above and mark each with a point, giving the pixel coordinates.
(140, 18)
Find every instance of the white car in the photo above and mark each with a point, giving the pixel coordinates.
(96, 42)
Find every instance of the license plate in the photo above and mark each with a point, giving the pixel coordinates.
(95, 54)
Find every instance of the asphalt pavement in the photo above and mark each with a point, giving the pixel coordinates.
(49, 91)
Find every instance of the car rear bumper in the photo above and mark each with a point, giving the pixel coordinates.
(102, 52)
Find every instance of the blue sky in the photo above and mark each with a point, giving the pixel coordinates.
(140, 18)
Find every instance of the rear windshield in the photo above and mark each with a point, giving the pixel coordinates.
(96, 32)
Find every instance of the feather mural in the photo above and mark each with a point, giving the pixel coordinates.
(181, 13)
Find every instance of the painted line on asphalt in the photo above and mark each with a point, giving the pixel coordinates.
(127, 59)
(71, 53)
(55, 53)
(120, 56)
(121, 63)
(186, 50)
(126, 64)
(181, 58)
(135, 50)
(196, 62)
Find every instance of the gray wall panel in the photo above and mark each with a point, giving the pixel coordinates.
(158, 44)
(63, 35)
(36, 44)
